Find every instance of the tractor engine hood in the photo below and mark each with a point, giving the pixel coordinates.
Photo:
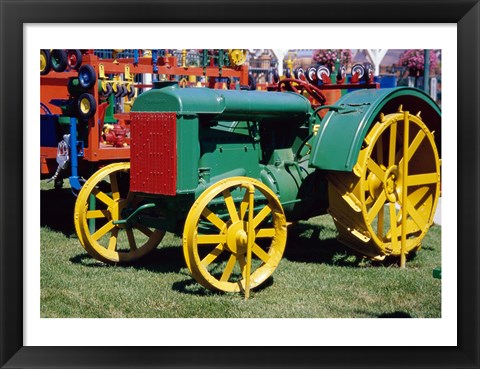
(223, 104)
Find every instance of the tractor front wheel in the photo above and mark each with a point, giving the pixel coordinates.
(235, 235)
(99, 207)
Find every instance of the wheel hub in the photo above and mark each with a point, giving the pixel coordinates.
(390, 183)
(237, 238)
(116, 210)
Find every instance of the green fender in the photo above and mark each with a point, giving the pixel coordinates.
(341, 133)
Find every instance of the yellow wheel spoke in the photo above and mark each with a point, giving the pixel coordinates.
(380, 151)
(207, 260)
(114, 184)
(261, 215)
(131, 239)
(375, 169)
(97, 214)
(213, 218)
(232, 210)
(228, 268)
(257, 250)
(265, 233)
(243, 206)
(413, 147)
(103, 197)
(103, 231)
(392, 146)
(416, 216)
(146, 231)
(243, 264)
(205, 239)
(377, 206)
(416, 143)
(112, 243)
(393, 224)
(421, 179)
(381, 215)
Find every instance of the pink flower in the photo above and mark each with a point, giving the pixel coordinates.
(414, 60)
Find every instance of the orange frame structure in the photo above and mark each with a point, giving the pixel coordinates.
(54, 86)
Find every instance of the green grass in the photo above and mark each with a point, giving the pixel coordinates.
(317, 278)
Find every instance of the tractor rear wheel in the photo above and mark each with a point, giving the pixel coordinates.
(234, 235)
(366, 204)
(99, 206)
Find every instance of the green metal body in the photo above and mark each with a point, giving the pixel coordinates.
(267, 136)
(343, 129)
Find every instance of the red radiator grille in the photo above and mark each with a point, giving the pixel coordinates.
(153, 153)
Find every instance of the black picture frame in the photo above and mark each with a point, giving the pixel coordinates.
(14, 14)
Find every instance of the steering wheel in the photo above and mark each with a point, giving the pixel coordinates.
(298, 86)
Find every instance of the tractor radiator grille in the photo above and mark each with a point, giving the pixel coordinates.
(153, 153)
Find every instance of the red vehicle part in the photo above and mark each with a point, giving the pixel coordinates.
(153, 161)
(115, 135)
(298, 86)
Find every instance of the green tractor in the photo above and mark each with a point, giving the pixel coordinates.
(229, 170)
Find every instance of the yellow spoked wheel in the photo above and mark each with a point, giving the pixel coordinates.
(45, 63)
(237, 56)
(99, 207)
(368, 205)
(235, 235)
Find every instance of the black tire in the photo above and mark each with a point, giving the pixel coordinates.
(108, 91)
(87, 76)
(360, 69)
(298, 73)
(131, 94)
(86, 105)
(321, 70)
(125, 91)
(342, 73)
(368, 71)
(311, 74)
(59, 60)
(120, 91)
(45, 62)
(73, 88)
(288, 73)
(74, 58)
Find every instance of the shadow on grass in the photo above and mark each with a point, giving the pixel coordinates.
(56, 210)
(395, 314)
(370, 314)
(307, 244)
(192, 287)
(162, 260)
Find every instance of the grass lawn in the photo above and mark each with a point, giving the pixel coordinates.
(317, 278)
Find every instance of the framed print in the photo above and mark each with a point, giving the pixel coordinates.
(34, 338)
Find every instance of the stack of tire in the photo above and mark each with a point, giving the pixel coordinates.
(81, 87)
(59, 60)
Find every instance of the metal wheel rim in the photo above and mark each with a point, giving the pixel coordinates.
(222, 240)
(91, 241)
(383, 176)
